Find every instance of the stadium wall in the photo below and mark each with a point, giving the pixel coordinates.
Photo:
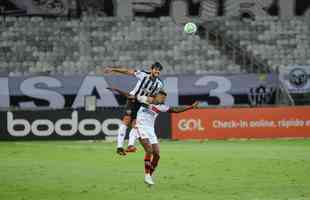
(212, 123)
(68, 124)
(59, 92)
(226, 123)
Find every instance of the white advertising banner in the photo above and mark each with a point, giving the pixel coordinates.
(69, 91)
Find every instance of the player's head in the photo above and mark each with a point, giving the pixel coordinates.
(160, 98)
(156, 69)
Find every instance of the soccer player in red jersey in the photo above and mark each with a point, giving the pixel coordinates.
(148, 84)
(145, 126)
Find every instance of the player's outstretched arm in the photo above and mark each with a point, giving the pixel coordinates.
(183, 109)
(121, 92)
(119, 70)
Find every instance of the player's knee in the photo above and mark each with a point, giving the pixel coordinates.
(149, 151)
(133, 123)
(127, 120)
(126, 123)
(156, 154)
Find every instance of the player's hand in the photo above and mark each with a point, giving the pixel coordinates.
(195, 104)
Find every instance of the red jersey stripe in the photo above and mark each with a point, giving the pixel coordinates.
(155, 109)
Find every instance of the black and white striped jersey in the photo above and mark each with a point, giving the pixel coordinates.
(145, 85)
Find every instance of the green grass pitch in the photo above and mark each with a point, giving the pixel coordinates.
(189, 170)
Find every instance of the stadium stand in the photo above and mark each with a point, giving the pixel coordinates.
(280, 42)
(80, 46)
(57, 45)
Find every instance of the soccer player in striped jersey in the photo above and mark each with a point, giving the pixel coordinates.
(148, 84)
(145, 125)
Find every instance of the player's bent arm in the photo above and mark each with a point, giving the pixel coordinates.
(126, 94)
(141, 99)
(120, 70)
(183, 109)
(145, 99)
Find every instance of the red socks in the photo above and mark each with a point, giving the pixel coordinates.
(147, 164)
(154, 163)
(150, 163)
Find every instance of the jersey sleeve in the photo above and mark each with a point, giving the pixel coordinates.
(161, 86)
(142, 99)
(163, 108)
(140, 74)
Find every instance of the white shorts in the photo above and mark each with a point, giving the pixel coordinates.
(147, 133)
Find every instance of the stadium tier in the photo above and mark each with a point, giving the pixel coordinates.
(34, 45)
(281, 42)
(81, 46)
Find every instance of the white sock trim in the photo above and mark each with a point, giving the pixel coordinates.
(121, 135)
(132, 137)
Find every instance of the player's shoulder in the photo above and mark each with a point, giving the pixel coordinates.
(160, 81)
(143, 72)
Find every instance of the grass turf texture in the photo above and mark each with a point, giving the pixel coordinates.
(249, 170)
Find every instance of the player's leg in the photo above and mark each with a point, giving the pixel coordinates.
(155, 157)
(148, 154)
(121, 134)
(132, 138)
(155, 150)
(147, 146)
(135, 106)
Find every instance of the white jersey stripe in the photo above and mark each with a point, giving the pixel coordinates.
(145, 85)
